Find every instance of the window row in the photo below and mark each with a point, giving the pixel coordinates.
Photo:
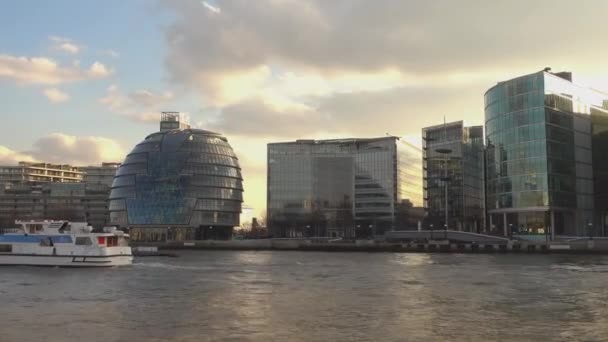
(130, 169)
(519, 167)
(209, 192)
(516, 86)
(210, 218)
(519, 199)
(515, 119)
(124, 181)
(224, 182)
(208, 158)
(214, 170)
(136, 158)
(519, 134)
(218, 205)
(515, 103)
(503, 152)
(207, 148)
(518, 183)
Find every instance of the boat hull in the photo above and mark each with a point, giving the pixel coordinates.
(65, 260)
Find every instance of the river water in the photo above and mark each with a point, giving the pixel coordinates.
(310, 296)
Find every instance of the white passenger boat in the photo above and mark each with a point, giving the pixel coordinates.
(64, 243)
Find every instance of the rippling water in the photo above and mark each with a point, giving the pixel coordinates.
(308, 296)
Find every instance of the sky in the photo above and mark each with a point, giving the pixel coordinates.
(82, 82)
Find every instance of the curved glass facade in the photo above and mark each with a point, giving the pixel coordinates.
(182, 184)
(539, 156)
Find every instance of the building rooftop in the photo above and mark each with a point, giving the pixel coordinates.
(336, 141)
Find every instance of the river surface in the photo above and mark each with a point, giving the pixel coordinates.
(310, 296)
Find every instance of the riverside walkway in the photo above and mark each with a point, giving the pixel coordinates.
(400, 241)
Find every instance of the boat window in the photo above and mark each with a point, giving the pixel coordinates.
(83, 241)
(6, 248)
(101, 240)
(112, 241)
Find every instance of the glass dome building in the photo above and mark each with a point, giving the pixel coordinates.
(178, 184)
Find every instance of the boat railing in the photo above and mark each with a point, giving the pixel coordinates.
(11, 230)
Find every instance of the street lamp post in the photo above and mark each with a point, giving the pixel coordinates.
(590, 228)
(431, 231)
(445, 151)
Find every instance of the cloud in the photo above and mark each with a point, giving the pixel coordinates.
(76, 150)
(335, 36)
(55, 95)
(67, 149)
(10, 157)
(257, 118)
(64, 44)
(213, 9)
(141, 105)
(147, 98)
(42, 70)
(304, 53)
(283, 70)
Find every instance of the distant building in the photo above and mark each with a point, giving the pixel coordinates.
(460, 150)
(103, 174)
(547, 156)
(37, 191)
(178, 184)
(40, 172)
(343, 188)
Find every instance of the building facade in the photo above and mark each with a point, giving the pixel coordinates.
(342, 188)
(453, 157)
(40, 172)
(178, 184)
(547, 165)
(103, 174)
(45, 191)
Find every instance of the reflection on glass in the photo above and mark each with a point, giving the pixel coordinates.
(542, 138)
(343, 188)
(464, 163)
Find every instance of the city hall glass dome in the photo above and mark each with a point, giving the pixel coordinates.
(178, 184)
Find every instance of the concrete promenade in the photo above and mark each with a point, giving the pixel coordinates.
(578, 246)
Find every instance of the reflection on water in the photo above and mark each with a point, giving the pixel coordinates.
(293, 296)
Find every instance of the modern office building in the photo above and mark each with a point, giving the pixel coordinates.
(343, 188)
(178, 184)
(453, 158)
(547, 156)
(40, 172)
(44, 191)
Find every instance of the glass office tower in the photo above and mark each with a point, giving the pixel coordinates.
(546, 160)
(453, 159)
(342, 188)
(178, 184)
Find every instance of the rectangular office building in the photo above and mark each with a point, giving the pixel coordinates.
(453, 177)
(351, 188)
